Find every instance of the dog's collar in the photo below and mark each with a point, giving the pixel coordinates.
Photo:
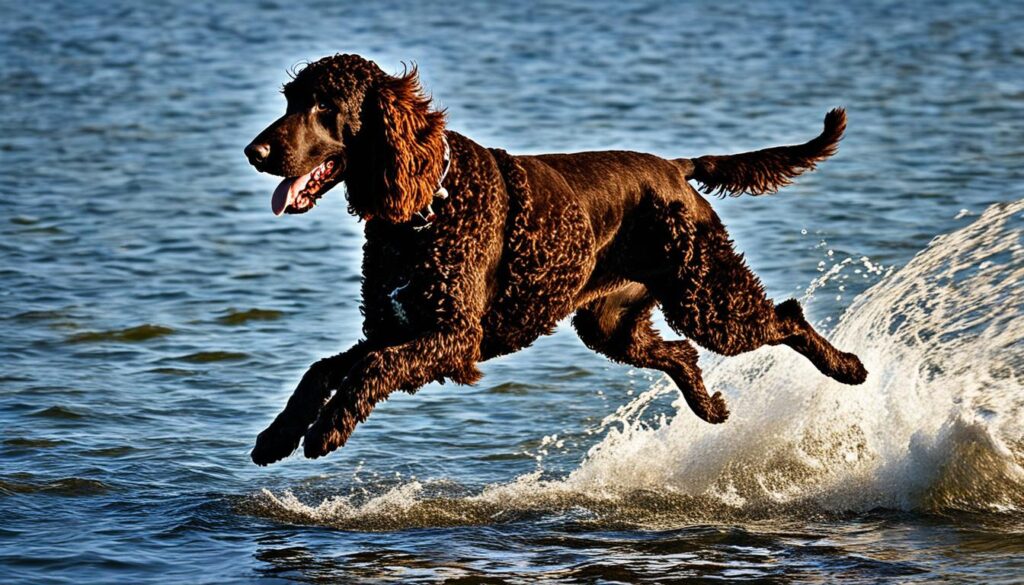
(426, 216)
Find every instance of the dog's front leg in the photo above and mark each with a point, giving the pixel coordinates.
(281, 438)
(451, 353)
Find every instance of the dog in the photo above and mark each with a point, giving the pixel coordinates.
(473, 253)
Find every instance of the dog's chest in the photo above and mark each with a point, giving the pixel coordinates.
(403, 288)
(397, 304)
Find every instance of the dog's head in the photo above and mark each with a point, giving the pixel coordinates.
(347, 120)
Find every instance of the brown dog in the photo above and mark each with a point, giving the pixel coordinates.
(473, 253)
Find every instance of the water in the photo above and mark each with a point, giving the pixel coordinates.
(156, 315)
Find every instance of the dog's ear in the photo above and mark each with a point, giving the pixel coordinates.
(410, 151)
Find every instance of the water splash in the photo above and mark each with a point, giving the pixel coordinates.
(938, 425)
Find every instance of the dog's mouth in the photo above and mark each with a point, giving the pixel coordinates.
(300, 194)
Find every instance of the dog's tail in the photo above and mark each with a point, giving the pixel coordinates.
(767, 170)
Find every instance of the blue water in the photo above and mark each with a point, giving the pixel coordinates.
(155, 315)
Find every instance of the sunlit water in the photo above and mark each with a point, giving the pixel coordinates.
(156, 315)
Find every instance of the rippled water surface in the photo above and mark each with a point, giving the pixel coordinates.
(155, 315)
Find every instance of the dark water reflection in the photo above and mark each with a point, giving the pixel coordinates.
(155, 314)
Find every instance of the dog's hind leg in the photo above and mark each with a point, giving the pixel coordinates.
(798, 334)
(718, 302)
(619, 326)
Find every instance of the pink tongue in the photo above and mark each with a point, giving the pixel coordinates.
(285, 193)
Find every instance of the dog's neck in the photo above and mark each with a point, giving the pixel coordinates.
(426, 216)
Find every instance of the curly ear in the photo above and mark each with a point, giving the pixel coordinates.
(411, 149)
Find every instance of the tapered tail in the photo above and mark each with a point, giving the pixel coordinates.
(767, 170)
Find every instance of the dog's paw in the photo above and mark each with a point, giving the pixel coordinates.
(718, 412)
(712, 409)
(274, 444)
(850, 371)
(323, 437)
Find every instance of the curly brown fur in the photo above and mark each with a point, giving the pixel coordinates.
(520, 243)
(551, 279)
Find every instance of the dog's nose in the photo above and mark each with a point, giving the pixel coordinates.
(257, 153)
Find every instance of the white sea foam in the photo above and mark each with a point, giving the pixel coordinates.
(937, 426)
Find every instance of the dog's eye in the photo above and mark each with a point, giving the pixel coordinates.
(324, 106)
